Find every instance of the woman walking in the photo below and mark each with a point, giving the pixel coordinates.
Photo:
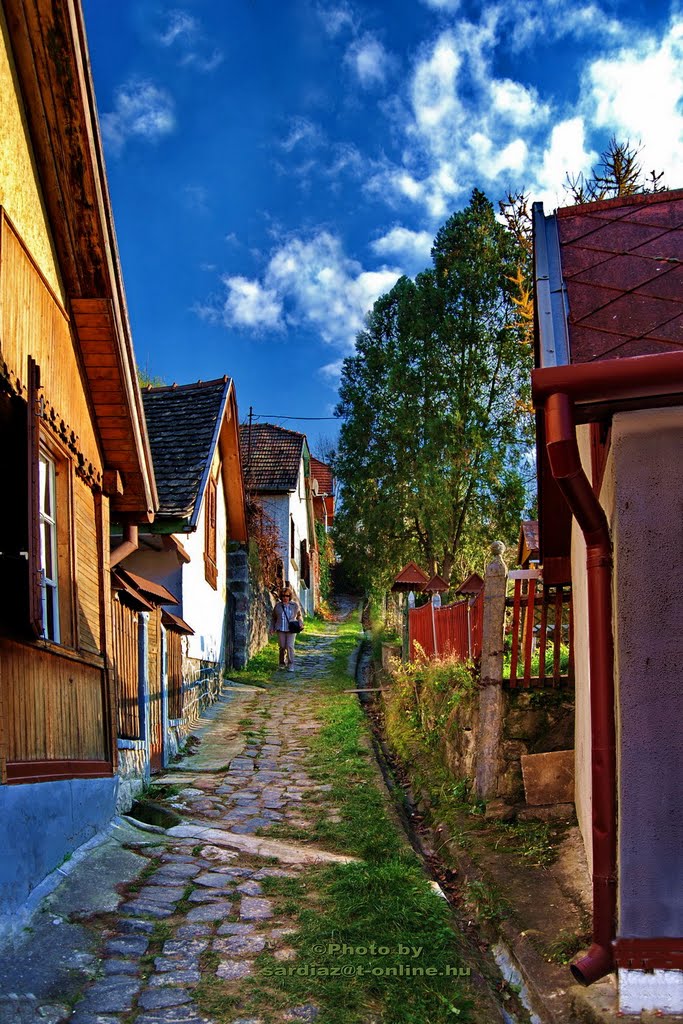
(286, 611)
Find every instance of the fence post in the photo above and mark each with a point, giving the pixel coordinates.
(490, 712)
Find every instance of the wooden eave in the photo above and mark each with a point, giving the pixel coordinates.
(231, 470)
(53, 67)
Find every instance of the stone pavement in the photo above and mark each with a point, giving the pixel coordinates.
(199, 899)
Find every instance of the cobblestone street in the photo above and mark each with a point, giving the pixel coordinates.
(206, 883)
(199, 899)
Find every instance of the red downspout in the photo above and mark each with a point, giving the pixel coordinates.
(566, 467)
(128, 545)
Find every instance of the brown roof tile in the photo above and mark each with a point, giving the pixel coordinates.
(182, 422)
(622, 263)
(271, 457)
(321, 472)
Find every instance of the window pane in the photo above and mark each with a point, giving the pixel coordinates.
(44, 472)
(51, 618)
(46, 550)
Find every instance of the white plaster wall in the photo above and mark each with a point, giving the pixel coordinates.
(159, 567)
(648, 563)
(204, 608)
(280, 507)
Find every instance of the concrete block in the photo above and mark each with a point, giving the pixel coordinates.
(549, 778)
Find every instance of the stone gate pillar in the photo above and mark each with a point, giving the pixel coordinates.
(490, 711)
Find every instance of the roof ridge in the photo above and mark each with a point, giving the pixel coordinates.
(273, 426)
(638, 199)
(149, 389)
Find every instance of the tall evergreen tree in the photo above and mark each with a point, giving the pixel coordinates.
(435, 410)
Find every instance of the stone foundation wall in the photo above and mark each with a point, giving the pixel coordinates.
(251, 607)
(133, 772)
(533, 722)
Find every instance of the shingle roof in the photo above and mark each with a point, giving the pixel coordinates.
(622, 264)
(271, 457)
(182, 422)
(321, 472)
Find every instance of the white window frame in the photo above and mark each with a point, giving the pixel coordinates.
(49, 585)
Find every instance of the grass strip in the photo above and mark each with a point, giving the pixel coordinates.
(374, 941)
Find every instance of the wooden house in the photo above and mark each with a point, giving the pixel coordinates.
(148, 669)
(608, 389)
(193, 431)
(277, 469)
(73, 449)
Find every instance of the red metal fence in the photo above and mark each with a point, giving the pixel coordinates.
(539, 633)
(454, 630)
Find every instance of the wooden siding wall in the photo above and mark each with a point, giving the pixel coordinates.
(87, 569)
(32, 322)
(60, 721)
(126, 667)
(55, 704)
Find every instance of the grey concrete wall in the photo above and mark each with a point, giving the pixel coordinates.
(40, 825)
(648, 565)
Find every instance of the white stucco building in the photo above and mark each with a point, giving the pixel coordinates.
(277, 469)
(194, 439)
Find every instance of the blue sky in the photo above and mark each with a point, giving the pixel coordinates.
(275, 166)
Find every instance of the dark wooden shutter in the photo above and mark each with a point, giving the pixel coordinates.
(210, 563)
(20, 594)
(35, 602)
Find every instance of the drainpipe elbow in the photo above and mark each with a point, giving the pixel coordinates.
(128, 545)
(597, 963)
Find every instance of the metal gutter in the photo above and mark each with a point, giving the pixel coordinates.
(551, 294)
(631, 377)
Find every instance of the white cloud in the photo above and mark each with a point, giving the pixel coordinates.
(565, 154)
(300, 130)
(307, 282)
(516, 103)
(184, 33)
(249, 304)
(528, 22)
(141, 110)
(336, 18)
(411, 248)
(637, 93)
(463, 123)
(443, 5)
(180, 25)
(368, 60)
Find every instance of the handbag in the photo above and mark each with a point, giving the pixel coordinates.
(295, 626)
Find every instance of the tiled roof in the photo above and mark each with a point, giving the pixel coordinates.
(410, 577)
(182, 424)
(321, 472)
(622, 264)
(271, 457)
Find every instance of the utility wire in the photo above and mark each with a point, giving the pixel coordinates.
(272, 416)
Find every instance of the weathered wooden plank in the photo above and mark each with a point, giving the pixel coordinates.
(514, 656)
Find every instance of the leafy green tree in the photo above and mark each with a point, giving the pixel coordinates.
(435, 410)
